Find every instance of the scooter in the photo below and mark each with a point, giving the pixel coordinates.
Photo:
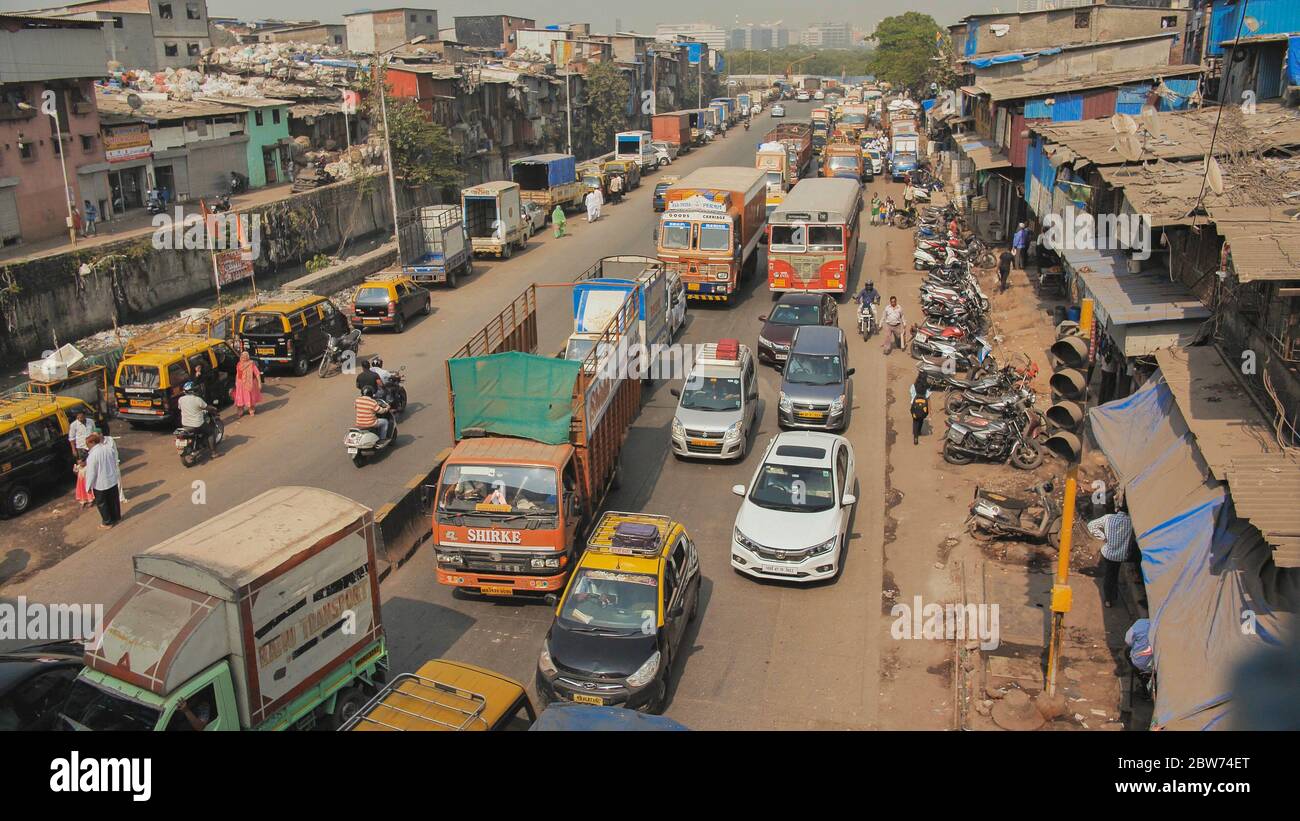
(994, 515)
(362, 444)
(339, 348)
(221, 204)
(192, 443)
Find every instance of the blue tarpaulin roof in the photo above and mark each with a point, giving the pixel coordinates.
(1215, 595)
(582, 717)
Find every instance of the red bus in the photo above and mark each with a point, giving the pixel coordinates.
(813, 236)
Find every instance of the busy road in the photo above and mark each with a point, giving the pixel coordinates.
(760, 655)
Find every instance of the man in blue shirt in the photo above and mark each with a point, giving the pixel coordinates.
(1018, 244)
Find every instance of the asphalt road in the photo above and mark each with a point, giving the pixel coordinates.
(760, 655)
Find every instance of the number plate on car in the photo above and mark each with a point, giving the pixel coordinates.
(140, 403)
(585, 699)
(370, 321)
(266, 351)
(703, 443)
(810, 414)
(352, 451)
(784, 571)
(494, 590)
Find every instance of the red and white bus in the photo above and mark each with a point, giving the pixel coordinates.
(813, 236)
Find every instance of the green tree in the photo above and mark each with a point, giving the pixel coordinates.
(607, 97)
(906, 46)
(423, 153)
(854, 62)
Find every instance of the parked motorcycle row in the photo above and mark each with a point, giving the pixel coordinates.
(988, 405)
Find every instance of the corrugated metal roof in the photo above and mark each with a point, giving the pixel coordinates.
(1128, 299)
(1183, 135)
(1238, 445)
(1170, 192)
(1015, 88)
(1264, 243)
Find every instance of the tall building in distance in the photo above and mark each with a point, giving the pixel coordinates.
(712, 36)
(758, 36)
(827, 35)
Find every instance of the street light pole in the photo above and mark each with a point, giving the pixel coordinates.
(568, 111)
(49, 108)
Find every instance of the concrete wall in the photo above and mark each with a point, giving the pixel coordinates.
(263, 136)
(45, 296)
(1080, 63)
(375, 32)
(1057, 28)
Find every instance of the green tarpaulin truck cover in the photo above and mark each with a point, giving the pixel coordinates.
(514, 394)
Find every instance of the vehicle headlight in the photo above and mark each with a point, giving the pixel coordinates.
(541, 563)
(678, 430)
(646, 673)
(785, 402)
(825, 547)
(451, 558)
(838, 405)
(733, 431)
(743, 540)
(545, 664)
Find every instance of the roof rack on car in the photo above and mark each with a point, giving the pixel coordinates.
(630, 534)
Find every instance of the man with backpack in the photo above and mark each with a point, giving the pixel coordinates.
(920, 392)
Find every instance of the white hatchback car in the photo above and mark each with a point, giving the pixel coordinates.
(794, 522)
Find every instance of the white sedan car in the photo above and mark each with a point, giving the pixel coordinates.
(535, 217)
(778, 110)
(794, 522)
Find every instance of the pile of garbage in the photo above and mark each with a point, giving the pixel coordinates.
(188, 84)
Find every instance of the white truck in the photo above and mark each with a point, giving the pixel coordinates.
(494, 218)
(637, 145)
(265, 617)
(600, 292)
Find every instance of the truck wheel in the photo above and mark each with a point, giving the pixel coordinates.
(301, 365)
(507, 250)
(17, 498)
(346, 705)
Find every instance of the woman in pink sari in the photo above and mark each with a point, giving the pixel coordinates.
(248, 385)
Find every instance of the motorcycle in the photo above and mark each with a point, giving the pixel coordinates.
(339, 348)
(236, 183)
(990, 405)
(221, 205)
(963, 353)
(363, 443)
(866, 321)
(995, 440)
(994, 515)
(939, 377)
(395, 392)
(153, 203)
(192, 443)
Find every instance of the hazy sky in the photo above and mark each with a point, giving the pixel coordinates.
(635, 14)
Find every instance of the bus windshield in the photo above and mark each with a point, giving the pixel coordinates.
(788, 238)
(826, 238)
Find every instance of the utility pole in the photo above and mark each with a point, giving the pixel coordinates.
(381, 61)
(568, 109)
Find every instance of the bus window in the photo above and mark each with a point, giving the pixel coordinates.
(788, 238)
(826, 237)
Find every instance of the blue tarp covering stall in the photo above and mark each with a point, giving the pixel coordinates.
(1293, 60)
(589, 718)
(1214, 593)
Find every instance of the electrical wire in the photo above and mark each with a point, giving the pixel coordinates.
(1214, 133)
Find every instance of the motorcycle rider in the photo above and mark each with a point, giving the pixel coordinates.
(370, 413)
(367, 378)
(194, 415)
(385, 377)
(868, 298)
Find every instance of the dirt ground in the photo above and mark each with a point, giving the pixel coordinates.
(929, 553)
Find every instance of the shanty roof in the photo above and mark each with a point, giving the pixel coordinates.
(1182, 135)
(1046, 51)
(1238, 445)
(1264, 242)
(113, 108)
(1128, 299)
(302, 110)
(984, 154)
(1171, 192)
(248, 102)
(439, 71)
(1030, 85)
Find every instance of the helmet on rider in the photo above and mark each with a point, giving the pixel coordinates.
(376, 362)
(190, 388)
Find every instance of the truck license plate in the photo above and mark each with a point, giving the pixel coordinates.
(352, 451)
(495, 590)
(585, 699)
(780, 570)
(692, 286)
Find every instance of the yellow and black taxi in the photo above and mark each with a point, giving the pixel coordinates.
(151, 377)
(446, 695)
(290, 328)
(623, 615)
(388, 301)
(629, 170)
(34, 447)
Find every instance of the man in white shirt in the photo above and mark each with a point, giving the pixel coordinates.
(103, 478)
(893, 324)
(194, 416)
(80, 428)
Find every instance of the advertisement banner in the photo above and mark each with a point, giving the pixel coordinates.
(231, 266)
(127, 142)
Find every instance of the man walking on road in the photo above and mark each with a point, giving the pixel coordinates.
(1018, 244)
(593, 210)
(893, 325)
(1004, 268)
(92, 216)
(103, 478)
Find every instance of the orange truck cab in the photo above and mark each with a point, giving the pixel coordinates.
(537, 446)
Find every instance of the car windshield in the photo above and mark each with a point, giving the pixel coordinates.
(256, 323)
(775, 179)
(498, 489)
(372, 296)
(715, 236)
(796, 488)
(591, 181)
(676, 235)
(91, 708)
(786, 314)
(139, 376)
(614, 601)
(844, 162)
(814, 369)
(711, 393)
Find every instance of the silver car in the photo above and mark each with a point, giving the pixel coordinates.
(717, 405)
(816, 391)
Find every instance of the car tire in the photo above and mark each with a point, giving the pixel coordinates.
(695, 605)
(399, 324)
(428, 306)
(17, 499)
(301, 365)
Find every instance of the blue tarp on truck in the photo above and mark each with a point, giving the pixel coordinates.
(560, 169)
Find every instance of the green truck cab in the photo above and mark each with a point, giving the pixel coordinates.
(265, 617)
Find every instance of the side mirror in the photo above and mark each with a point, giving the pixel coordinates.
(739, 490)
(677, 611)
(850, 371)
(551, 599)
(675, 392)
(763, 318)
(849, 499)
